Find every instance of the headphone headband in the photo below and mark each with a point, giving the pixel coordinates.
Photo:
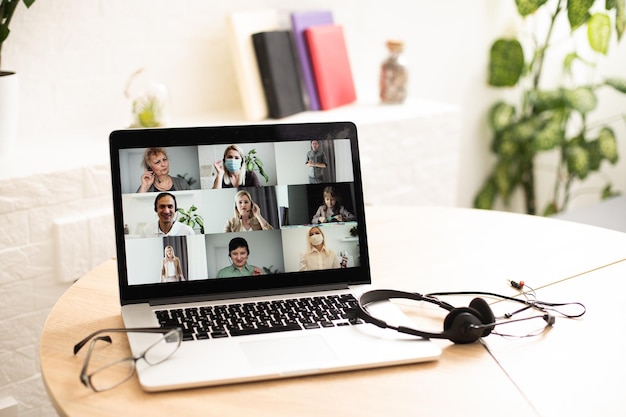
(461, 325)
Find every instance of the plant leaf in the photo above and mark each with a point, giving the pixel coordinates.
(29, 3)
(486, 196)
(608, 192)
(599, 32)
(581, 99)
(506, 63)
(543, 100)
(617, 83)
(4, 32)
(501, 116)
(506, 177)
(620, 17)
(550, 136)
(504, 144)
(550, 209)
(527, 7)
(578, 161)
(525, 130)
(607, 145)
(595, 158)
(568, 61)
(578, 12)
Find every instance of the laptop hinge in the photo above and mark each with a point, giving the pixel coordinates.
(246, 294)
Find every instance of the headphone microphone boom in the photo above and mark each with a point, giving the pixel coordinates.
(461, 325)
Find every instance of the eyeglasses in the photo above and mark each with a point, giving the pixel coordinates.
(119, 371)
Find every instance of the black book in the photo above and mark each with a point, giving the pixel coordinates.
(279, 73)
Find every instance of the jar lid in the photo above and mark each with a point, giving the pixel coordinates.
(395, 45)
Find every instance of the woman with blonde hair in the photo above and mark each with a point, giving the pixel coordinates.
(247, 216)
(171, 270)
(232, 172)
(318, 255)
(156, 175)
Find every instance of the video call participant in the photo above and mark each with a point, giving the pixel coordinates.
(165, 207)
(156, 175)
(316, 162)
(332, 210)
(238, 253)
(232, 172)
(318, 256)
(247, 216)
(171, 270)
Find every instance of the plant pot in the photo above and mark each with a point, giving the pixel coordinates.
(9, 109)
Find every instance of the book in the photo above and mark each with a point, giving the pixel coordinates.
(279, 73)
(300, 21)
(241, 27)
(331, 65)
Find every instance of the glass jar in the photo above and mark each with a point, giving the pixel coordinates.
(149, 101)
(394, 74)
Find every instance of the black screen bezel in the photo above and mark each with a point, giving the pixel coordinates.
(217, 288)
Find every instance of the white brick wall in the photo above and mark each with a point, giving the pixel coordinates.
(29, 253)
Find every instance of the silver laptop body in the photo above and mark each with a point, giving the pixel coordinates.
(208, 279)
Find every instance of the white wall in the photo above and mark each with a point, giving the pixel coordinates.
(74, 58)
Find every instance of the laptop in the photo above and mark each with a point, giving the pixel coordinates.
(249, 204)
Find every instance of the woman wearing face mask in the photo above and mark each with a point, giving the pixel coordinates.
(231, 170)
(247, 215)
(317, 255)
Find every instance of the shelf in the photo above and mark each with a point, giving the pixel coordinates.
(409, 152)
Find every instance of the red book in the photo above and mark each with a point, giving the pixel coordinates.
(331, 65)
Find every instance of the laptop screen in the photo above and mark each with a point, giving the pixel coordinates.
(219, 212)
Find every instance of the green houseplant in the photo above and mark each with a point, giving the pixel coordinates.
(7, 8)
(252, 161)
(191, 218)
(551, 119)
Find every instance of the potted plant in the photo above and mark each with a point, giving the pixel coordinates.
(252, 161)
(9, 91)
(191, 218)
(553, 119)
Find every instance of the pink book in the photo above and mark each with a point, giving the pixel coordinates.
(331, 66)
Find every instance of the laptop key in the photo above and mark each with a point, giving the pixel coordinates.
(261, 330)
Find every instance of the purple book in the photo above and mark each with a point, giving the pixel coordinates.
(300, 21)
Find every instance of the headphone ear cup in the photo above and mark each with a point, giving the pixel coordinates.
(486, 314)
(457, 326)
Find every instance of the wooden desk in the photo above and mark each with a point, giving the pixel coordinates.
(579, 367)
(444, 249)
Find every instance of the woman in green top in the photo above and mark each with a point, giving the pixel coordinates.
(238, 253)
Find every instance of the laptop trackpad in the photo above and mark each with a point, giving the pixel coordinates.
(291, 350)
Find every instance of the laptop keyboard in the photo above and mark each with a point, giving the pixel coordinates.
(229, 320)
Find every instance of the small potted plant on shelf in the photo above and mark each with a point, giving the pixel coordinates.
(9, 91)
(7, 8)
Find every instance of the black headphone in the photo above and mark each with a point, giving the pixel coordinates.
(161, 195)
(461, 325)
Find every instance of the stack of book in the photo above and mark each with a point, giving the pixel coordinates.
(286, 71)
